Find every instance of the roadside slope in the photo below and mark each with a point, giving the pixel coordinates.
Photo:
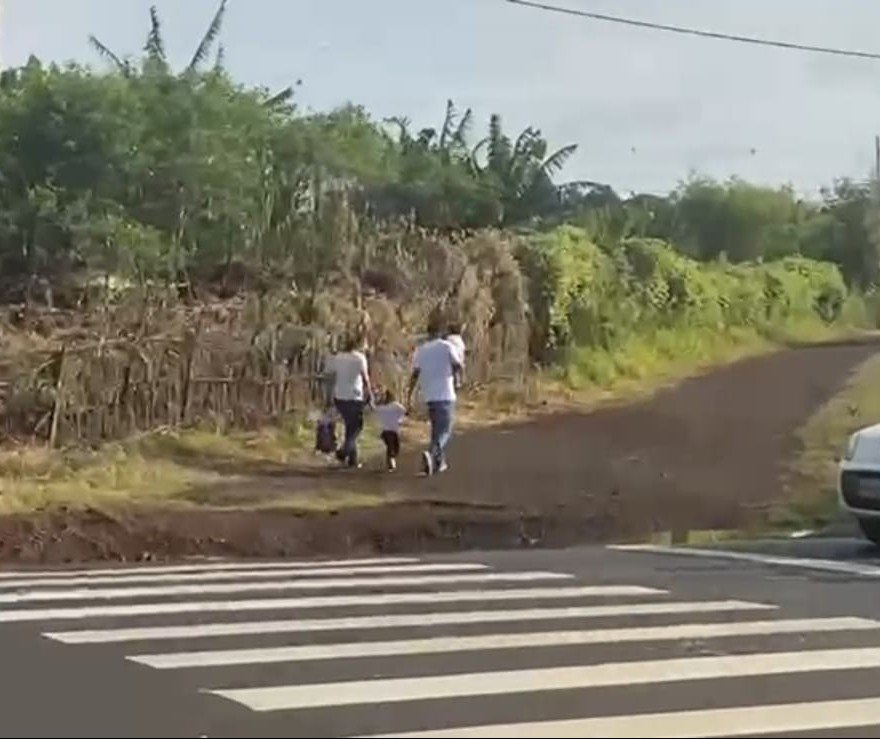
(705, 453)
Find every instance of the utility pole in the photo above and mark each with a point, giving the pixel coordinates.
(877, 159)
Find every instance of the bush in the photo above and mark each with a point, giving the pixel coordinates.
(618, 312)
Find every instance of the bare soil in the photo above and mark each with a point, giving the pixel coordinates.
(707, 453)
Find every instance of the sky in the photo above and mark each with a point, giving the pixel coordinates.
(645, 108)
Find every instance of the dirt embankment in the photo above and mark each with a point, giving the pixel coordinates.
(707, 453)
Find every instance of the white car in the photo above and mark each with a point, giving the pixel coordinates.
(859, 480)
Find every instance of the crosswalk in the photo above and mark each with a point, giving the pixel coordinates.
(403, 647)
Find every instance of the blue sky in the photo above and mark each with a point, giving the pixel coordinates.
(645, 108)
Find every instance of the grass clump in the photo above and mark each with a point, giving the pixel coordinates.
(810, 482)
(193, 467)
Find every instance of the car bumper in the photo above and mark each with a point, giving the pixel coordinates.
(858, 489)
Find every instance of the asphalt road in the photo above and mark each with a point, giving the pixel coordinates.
(584, 642)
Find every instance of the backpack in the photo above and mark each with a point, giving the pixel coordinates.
(325, 436)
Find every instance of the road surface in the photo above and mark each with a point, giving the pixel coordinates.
(584, 642)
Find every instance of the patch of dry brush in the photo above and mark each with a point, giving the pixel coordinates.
(141, 358)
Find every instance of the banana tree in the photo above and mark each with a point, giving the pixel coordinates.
(521, 171)
(154, 47)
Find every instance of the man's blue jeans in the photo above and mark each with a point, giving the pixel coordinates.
(441, 414)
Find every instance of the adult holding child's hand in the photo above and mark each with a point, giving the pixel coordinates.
(352, 391)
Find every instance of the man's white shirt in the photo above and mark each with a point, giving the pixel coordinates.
(435, 360)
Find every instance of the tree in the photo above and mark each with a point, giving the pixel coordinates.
(522, 172)
(64, 140)
(843, 231)
(737, 219)
(154, 47)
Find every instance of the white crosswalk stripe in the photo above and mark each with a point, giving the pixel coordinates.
(382, 634)
(526, 640)
(523, 615)
(729, 722)
(270, 574)
(279, 583)
(203, 567)
(265, 604)
(380, 691)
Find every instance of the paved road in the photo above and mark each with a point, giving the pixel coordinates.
(585, 642)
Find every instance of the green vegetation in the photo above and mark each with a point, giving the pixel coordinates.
(184, 468)
(144, 173)
(811, 480)
(642, 307)
(209, 205)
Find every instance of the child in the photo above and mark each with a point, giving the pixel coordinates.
(453, 336)
(390, 414)
(325, 432)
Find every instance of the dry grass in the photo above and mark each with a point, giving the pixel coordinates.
(202, 467)
(810, 484)
(34, 478)
(167, 466)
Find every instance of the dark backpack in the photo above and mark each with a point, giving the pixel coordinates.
(325, 436)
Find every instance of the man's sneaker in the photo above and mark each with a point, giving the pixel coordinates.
(392, 464)
(442, 467)
(427, 464)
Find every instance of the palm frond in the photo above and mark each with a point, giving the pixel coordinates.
(401, 123)
(499, 146)
(426, 137)
(220, 58)
(464, 128)
(526, 143)
(279, 97)
(107, 54)
(204, 47)
(448, 124)
(155, 46)
(496, 129)
(475, 154)
(556, 161)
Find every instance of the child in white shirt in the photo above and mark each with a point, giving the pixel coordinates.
(453, 337)
(390, 414)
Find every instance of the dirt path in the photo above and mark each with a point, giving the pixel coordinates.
(704, 454)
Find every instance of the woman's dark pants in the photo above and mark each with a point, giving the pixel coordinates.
(352, 412)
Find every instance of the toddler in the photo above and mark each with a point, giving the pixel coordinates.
(390, 414)
(453, 337)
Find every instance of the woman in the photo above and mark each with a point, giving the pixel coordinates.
(351, 392)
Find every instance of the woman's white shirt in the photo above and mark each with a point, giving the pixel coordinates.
(349, 369)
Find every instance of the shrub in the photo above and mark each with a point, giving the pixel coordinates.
(591, 308)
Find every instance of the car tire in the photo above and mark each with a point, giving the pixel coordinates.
(871, 529)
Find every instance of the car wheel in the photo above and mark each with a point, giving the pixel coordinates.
(871, 529)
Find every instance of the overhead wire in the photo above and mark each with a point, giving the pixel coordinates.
(650, 25)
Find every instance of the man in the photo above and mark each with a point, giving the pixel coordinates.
(436, 364)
